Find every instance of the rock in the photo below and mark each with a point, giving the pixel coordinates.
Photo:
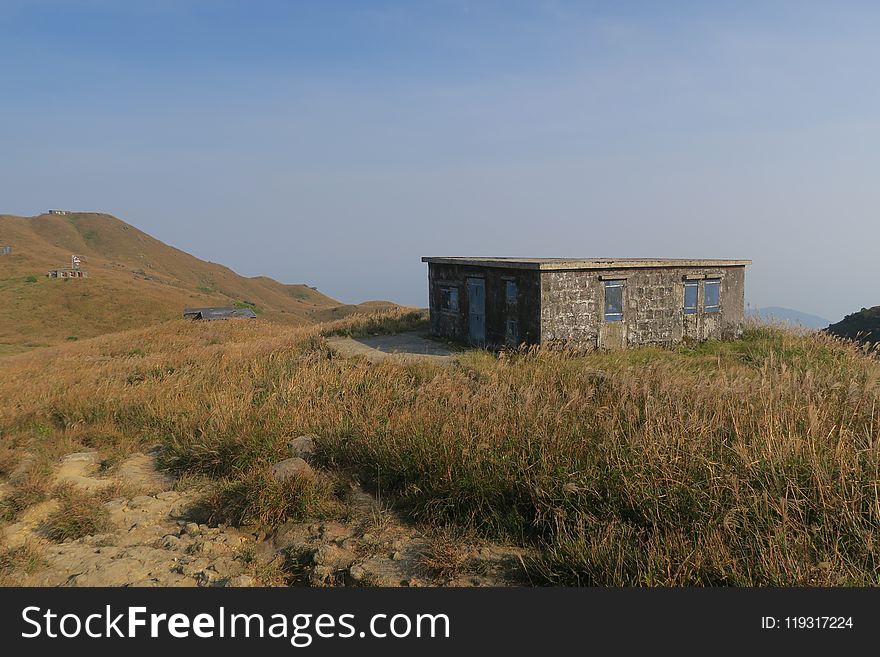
(208, 577)
(358, 572)
(241, 581)
(302, 447)
(171, 542)
(192, 529)
(167, 495)
(86, 457)
(290, 468)
(333, 556)
(141, 501)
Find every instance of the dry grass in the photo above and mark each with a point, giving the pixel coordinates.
(79, 514)
(747, 463)
(24, 559)
(28, 487)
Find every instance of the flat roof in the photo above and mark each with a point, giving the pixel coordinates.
(549, 264)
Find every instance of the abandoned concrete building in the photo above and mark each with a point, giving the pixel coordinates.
(605, 303)
(210, 314)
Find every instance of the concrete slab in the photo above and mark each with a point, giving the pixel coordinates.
(401, 346)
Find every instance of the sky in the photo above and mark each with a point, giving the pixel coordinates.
(334, 143)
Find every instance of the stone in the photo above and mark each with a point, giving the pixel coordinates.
(171, 542)
(141, 501)
(192, 529)
(290, 468)
(302, 447)
(333, 556)
(85, 457)
(241, 581)
(208, 577)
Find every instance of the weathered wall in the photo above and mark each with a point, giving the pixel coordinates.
(455, 325)
(572, 307)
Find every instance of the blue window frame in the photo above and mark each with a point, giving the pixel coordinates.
(511, 292)
(614, 300)
(691, 297)
(712, 295)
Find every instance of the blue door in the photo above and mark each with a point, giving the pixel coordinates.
(477, 310)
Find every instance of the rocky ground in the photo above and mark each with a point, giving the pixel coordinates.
(154, 538)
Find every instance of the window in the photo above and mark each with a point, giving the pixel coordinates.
(614, 300)
(712, 295)
(512, 292)
(449, 298)
(691, 292)
(512, 337)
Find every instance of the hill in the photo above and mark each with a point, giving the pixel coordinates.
(863, 326)
(789, 316)
(134, 279)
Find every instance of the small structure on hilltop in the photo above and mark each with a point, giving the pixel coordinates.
(74, 271)
(5, 250)
(209, 314)
(59, 211)
(605, 303)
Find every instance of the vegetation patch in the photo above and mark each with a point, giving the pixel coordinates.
(21, 560)
(260, 499)
(79, 514)
(29, 487)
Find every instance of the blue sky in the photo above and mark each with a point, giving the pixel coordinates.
(335, 143)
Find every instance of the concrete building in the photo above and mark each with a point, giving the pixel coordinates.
(5, 250)
(606, 303)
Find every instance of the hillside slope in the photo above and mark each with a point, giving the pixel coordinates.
(134, 280)
(863, 326)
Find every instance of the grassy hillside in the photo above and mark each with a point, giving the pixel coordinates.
(745, 463)
(134, 280)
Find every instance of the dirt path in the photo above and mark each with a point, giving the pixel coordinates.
(154, 539)
(403, 346)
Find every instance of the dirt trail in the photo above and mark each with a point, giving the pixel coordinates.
(155, 540)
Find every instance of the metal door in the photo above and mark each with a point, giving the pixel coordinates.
(476, 310)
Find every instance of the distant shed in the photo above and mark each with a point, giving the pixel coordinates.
(5, 250)
(210, 314)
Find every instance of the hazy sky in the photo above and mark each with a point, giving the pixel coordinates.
(334, 143)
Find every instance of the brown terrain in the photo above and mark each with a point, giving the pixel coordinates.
(135, 280)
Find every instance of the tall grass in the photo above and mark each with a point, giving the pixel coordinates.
(745, 463)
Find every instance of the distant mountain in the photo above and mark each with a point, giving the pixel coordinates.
(134, 280)
(863, 326)
(789, 316)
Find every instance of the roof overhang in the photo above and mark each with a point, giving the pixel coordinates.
(556, 264)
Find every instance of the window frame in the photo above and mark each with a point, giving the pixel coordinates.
(454, 294)
(716, 307)
(508, 284)
(511, 338)
(695, 286)
(614, 283)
